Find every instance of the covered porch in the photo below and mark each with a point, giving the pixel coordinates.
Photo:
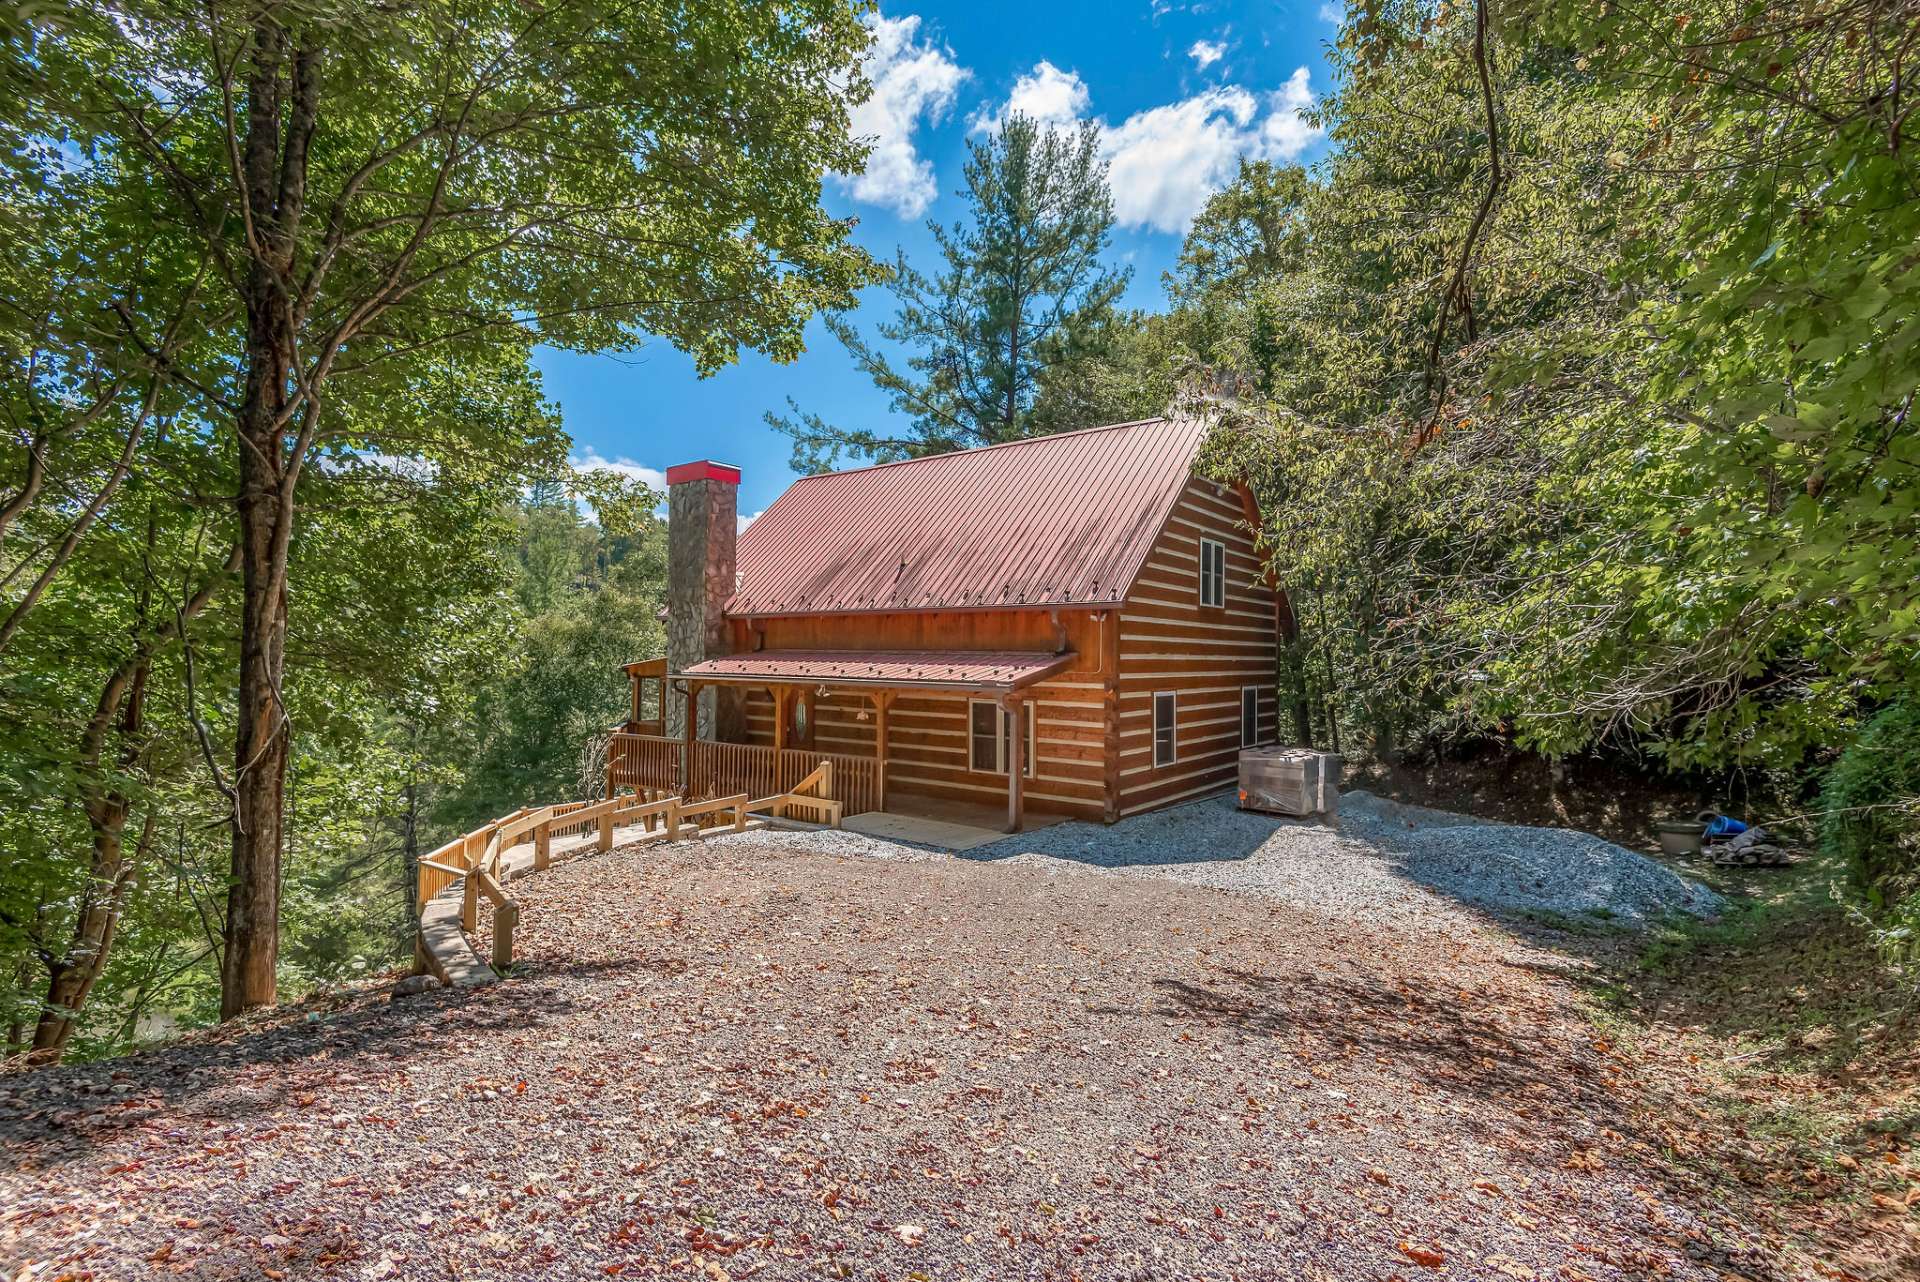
(778, 714)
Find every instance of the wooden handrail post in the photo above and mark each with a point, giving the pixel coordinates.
(505, 918)
(543, 845)
(470, 901)
(673, 819)
(740, 817)
(606, 833)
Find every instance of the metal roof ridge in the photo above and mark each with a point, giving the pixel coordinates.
(981, 449)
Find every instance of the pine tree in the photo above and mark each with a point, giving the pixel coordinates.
(1024, 300)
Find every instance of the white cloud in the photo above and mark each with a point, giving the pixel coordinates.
(1046, 94)
(748, 519)
(1336, 14)
(912, 81)
(1165, 161)
(591, 461)
(1207, 52)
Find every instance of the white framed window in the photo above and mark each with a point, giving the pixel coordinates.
(1249, 716)
(1213, 572)
(989, 739)
(1163, 741)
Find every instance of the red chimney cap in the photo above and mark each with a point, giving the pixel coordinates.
(704, 470)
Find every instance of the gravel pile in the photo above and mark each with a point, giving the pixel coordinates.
(1515, 867)
(1385, 862)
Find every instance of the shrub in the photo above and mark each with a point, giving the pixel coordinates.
(1872, 805)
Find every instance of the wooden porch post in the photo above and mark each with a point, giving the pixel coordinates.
(1016, 763)
(1110, 730)
(781, 699)
(882, 701)
(692, 729)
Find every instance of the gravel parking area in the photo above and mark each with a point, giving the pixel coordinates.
(731, 1060)
(1384, 862)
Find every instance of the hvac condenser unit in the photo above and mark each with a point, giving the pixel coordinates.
(1290, 781)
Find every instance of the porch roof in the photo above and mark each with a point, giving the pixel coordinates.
(996, 670)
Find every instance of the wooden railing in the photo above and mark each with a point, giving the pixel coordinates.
(810, 799)
(642, 762)
(477, 858)
(725, 768)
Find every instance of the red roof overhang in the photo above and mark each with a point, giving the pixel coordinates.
(988, 671)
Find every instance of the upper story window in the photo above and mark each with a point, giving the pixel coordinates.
(1213, 572)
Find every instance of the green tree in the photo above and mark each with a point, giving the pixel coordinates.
(533, 723)
(1774, 359)
(1024, 301)
(1312, 303)
(336, 195)
(1249, 237)
(1591, 422)
(113, 787)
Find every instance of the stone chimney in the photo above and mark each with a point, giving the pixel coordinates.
(702, 530)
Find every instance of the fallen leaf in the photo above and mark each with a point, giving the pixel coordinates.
(1426, 1257)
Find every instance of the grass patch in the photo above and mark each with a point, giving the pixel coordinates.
(1777, 1058)
(1594, 922)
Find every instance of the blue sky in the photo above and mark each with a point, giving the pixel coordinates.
(1180, 90)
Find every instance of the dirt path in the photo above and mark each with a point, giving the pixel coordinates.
(793, 1065)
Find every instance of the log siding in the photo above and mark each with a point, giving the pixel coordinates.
(1205, 655)
(927, 738)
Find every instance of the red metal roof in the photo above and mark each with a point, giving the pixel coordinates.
(1052, 521)
(973, 669)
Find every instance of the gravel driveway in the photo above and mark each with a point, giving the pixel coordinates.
(735, 1060)
(1383, 863)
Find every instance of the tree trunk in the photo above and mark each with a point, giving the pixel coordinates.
(1293, 669)
(274, 165)
(409, 862)
(72, 974)
(251, 954)
(72, 977)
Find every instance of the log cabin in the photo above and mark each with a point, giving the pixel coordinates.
(1076, 625)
